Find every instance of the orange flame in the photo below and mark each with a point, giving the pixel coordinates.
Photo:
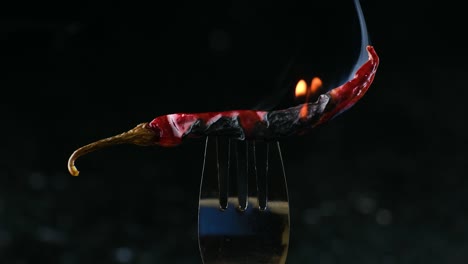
(315, 85)
(303, 90)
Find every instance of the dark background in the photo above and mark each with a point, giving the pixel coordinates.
(385, 182)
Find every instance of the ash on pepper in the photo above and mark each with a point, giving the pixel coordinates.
(171, 130)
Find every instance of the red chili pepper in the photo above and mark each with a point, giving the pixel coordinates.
(170, 130)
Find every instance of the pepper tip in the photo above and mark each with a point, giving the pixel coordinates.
(73, 170)
(140, 135)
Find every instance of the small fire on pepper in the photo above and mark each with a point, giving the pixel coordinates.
(302, 90)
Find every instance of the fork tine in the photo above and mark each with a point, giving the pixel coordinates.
(223, 155)
(278, 189)
(260, 158)
(208, 187)
(242, 174)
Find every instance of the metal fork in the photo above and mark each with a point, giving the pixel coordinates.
(243, 212)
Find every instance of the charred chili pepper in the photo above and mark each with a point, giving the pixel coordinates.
(171, 130)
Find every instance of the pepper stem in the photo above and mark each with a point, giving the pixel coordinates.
(141, 135)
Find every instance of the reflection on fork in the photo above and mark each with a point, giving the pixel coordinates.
(243, 208)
